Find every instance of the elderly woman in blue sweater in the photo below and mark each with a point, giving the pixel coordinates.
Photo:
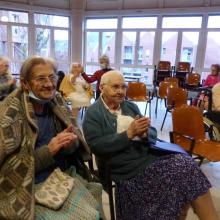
(148, 186)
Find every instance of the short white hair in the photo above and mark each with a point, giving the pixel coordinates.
(108, 76)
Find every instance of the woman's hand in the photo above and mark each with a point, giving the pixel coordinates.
(138, 127)
(63, 139)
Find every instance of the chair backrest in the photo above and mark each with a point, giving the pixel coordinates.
(176, 97)
(163, 86)
(188, 120)
(171, 79)
(164, 65)
(136, 91)
(193, 79)
(183, 66)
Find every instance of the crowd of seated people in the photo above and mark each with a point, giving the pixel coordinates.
(43, 152)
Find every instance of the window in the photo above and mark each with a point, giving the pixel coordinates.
(146, 48)
(52, 38)
(182, 22)
(51, 20)
(212, 49)
(108, 44)
(169, 44)
(42, 46)
(128, 47)
(13, 16)
(214, 21)
(189, 47)
(3, 40)
(92, 46)
(139, 22)
(19, 43)
(104, 23)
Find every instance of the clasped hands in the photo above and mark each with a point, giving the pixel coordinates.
(64, 139)
(138, 127)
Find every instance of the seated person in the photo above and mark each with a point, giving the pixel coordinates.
(75, 89)
(7, 82)
(148, 186)
(105, 67)
(214, 114)
(212, 78)
(37, 135)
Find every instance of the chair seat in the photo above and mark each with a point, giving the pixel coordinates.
(205, 148)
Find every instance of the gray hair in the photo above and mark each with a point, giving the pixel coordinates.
(105, 57)
(30, 63)
(108, 76)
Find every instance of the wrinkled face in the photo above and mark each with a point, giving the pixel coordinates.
(114, 92)
(43, 81)
(214, 70)
(4, 65)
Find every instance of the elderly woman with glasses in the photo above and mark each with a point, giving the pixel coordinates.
(37, 136)
(7, 82)
(149, 185)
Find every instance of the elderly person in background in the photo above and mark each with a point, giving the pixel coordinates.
(105, 67)
(76, 90)
(38, 135)
(213, 78)
(7, 82)
(148, 186)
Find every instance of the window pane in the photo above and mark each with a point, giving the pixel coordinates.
(128, 47)
(13, 16)
(19, 42)
(212, 49)
(139, 22)
(102, 23)
(63, 67)
(92, 46)
(3, 40)
(189, 47)
(61, 44)
(182, 22)
(214, 21)
(168, 47)
(51, 20)
(91, 69)
(146, 48)
(108, 45)
(15, 68)
(42, 42)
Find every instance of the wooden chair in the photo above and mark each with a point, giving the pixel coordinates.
(163, 70)
(171, 79)
(192, 81)
(176, 97)
(137, 92)
(162, 91)
(182, 69)
(189, 133)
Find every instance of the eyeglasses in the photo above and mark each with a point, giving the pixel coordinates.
(44, 79)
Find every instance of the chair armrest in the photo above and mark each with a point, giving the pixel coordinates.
(191, 139)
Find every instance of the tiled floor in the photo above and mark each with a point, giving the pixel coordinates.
(211, 170)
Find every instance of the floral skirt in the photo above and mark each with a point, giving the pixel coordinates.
(161, 190)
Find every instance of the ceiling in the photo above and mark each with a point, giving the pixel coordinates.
(95, 5)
